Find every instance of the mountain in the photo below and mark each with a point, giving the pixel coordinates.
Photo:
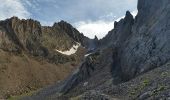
(130, 63)
(34, 56)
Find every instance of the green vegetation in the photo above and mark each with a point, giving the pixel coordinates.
(76, 98)
(21, 96)
(133, 93)
(140, 87)
(145, 82)
(159, 89)
(164, 74)
(94, 57)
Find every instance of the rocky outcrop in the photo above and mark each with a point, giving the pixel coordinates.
(17, 35)
(122, 30)
(72, 32)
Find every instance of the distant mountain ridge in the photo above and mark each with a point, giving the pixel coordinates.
(28, 46)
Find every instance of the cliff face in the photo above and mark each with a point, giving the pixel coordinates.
(147, 47)
(142, 43)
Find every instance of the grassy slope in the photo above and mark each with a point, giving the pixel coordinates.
(20, 74)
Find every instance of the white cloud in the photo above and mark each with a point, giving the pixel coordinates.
(99, 28)
(11, 8)
(134, 13)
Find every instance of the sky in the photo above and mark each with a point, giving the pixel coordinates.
(91, 17)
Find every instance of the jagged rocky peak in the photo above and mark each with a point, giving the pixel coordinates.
(23, 26)
(118, 35)
(67, 27)
(18, 32)
(72, 32)
(57, 37)
(29, 35)
(96, 38)
(15, 20)
(129, 17)
(62, 24)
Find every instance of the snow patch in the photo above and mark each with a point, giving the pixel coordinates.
(85, 84)
(72, 50)
(87, 54)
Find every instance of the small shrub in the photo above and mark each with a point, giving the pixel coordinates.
(158, 89)
(145, 82)
(163, 74)
(133, 93)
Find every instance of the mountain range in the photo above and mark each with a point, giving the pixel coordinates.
(132, 62)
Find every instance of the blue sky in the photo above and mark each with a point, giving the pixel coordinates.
(92, 17)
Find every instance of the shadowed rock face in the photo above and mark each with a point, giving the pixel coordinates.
(142, 43)
(148, 47)
(120, 33)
